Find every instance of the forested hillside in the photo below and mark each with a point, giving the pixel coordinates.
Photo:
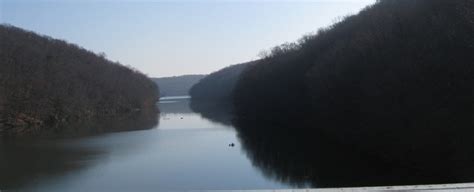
(394, 81)
(177, 85)
(219, 85)
(45, 82)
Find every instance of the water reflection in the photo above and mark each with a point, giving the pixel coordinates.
(25, 163)
(172, 105)
(186, 151)
(28, 160)
(129, 122)
(190, 150)
(295, 153)
(287, 155)
(219, 112)
(180, 114)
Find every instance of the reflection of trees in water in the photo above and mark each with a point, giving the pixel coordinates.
(298, 153)
(128, 122)
(175, 106)
(24, 160)
(290, 155)
(219, 112)
(24, 163)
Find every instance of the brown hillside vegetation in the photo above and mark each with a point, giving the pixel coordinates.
(46, 82)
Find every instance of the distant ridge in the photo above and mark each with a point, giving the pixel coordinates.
(176, 85)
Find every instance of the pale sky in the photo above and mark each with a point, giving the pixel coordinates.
(168, 38)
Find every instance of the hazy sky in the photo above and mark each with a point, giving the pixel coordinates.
(166, 38)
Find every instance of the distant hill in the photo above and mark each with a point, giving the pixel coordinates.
(45, 82)
(218, 85)
(177, 85)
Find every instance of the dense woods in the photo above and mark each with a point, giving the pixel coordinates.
(45, 82)
(219, 85)
(176, 85)
(394, 82)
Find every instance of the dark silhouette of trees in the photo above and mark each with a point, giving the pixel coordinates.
(394, 81)
(219, 85)
(46, 82)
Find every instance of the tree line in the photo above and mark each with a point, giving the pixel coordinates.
(46, 82)
(393, 82)
(219, 85)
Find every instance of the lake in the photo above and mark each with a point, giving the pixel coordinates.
(202, 146)
(184, 151)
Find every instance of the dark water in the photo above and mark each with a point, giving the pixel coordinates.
(183, 151)
(186, 147)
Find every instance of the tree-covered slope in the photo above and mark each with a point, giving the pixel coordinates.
(46, 82)
(218, 85)
(394, 81)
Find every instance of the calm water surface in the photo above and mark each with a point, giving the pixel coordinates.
(185, 151)
(186, 147)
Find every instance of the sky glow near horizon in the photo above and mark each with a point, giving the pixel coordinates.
(169, 38)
